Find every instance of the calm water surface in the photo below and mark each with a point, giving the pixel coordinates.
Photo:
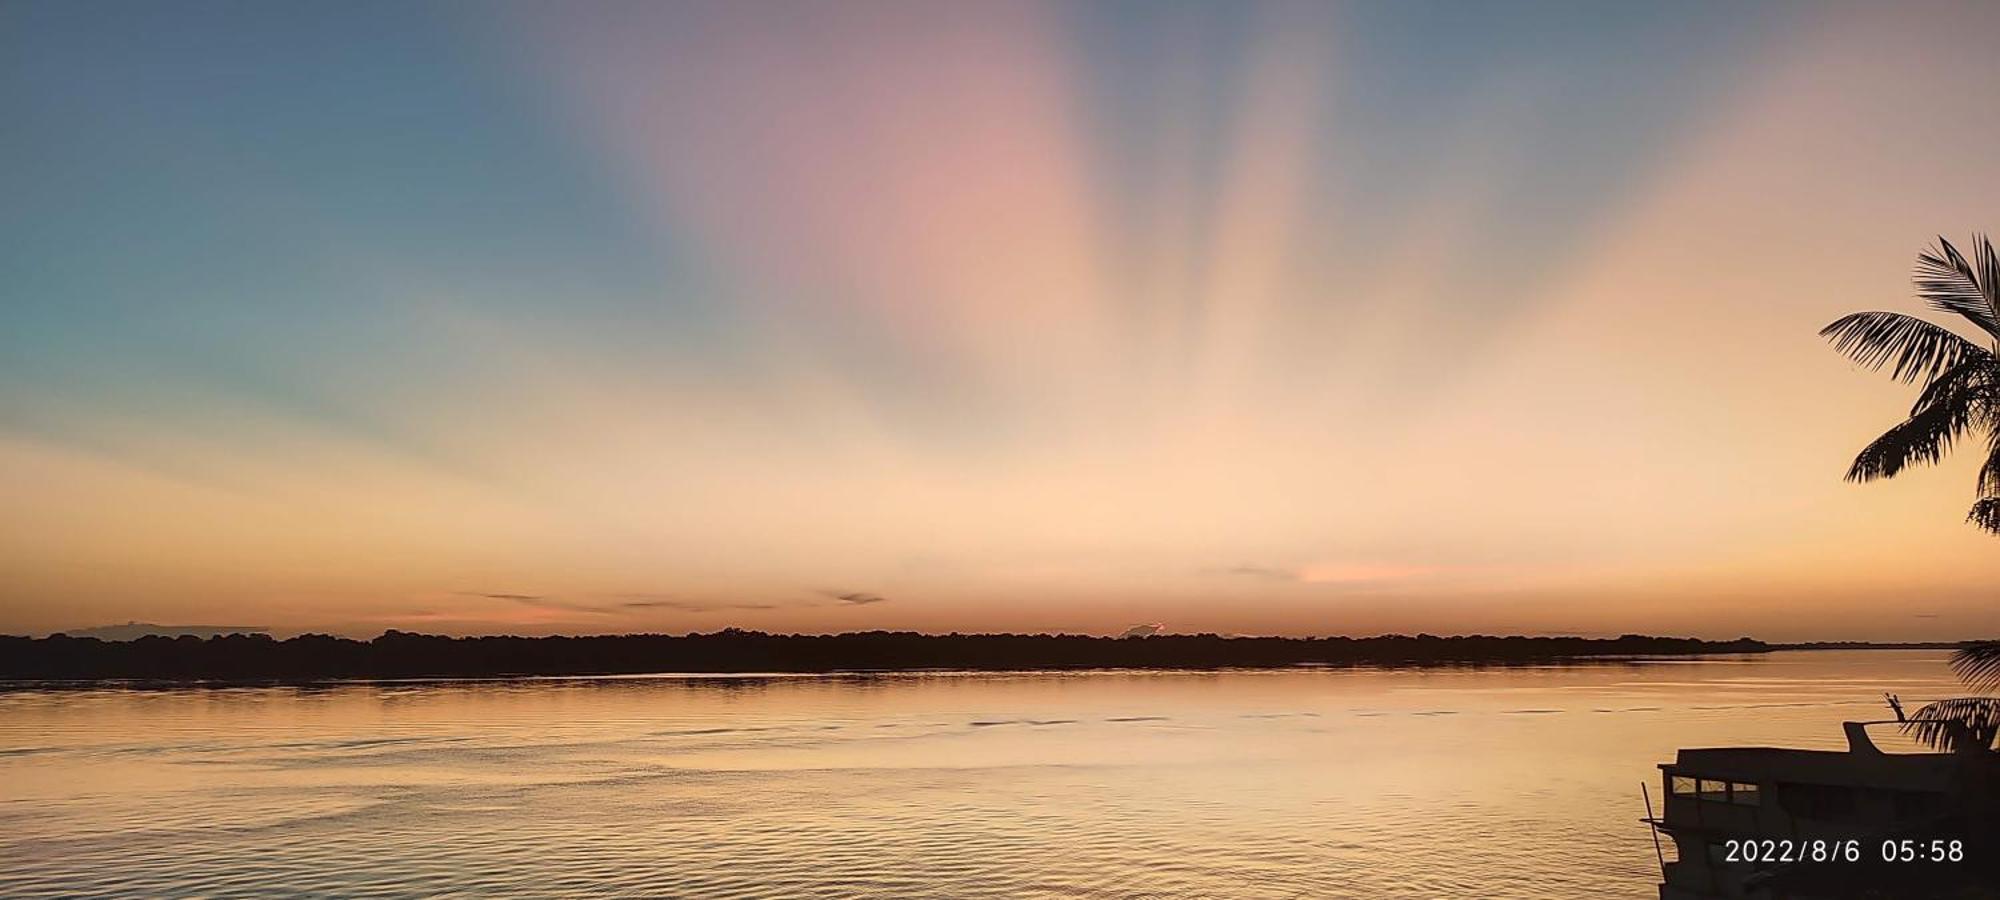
(1341, 783)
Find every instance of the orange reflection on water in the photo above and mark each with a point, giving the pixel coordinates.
(1513, 782)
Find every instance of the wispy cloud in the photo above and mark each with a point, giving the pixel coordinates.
(539, 601)
(1351, 572)
(1330, 572)
(856, 598)
(631, 604)
(1247, 571)
(690, 605)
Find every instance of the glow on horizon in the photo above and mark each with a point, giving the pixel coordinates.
(998, 316)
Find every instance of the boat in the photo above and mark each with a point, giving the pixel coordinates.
(1771, 822)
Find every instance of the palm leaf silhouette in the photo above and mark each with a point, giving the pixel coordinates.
(1918, 348)
(1960, 378)
(1978, 664)
(1950, 283)
(1958, 725)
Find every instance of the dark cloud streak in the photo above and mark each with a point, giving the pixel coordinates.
(542, 602)
(1248, 571)
(692, 605)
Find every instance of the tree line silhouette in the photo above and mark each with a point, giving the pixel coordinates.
(398, 654)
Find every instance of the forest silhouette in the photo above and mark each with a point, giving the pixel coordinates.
(398, 654)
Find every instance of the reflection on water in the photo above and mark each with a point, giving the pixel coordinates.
(1363, 783)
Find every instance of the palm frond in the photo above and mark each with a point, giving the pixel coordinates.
(1961, 379)
(1974, 382)
(1986, 510)
(1986, 514)
(1918, 348)
(1925, 437)
(1989, 472)
(1956, 725)
(1950, 283)
(1978, 664)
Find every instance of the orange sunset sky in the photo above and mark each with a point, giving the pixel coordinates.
(979, 316)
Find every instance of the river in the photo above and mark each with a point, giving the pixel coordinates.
(1514, 782)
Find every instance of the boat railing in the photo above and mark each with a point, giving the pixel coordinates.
(1858, 740)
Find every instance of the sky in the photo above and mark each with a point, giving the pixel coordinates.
(477, 317)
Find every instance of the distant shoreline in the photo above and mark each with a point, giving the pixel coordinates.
(1871, 645)
(395, 654)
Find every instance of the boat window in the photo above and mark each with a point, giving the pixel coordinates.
(1743, 794)
(1710, 789)
(1681, 784)
(1817, 801)
(1911, 804)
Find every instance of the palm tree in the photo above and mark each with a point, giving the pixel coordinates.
(1960, 397)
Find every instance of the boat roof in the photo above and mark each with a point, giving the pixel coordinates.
(1896, 771)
